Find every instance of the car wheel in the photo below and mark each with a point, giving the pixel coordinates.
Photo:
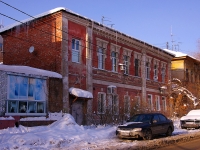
(169, 132)
(148, 135)
(182, 127)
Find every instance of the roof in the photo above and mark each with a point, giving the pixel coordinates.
(73, 13)
(179, 54)
(29, 71)
(80, 93)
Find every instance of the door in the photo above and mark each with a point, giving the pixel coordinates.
(156, 126)
(77, 112)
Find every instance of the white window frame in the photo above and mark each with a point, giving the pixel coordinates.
(137, 73)
(150, 101)
(157, 103)
(126, 64)
(111, 89)
(76, 50)
(155, 73)
(114, 61)
(114, 49)
(163, 74)
(138, 102)
(101, 103)
(26, 103)
(126, 104)
(163, 71)
(100, 58)
(115, 104)
(148, 68)
(164, 103)
(101, 44)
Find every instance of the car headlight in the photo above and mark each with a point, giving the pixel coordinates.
(137, 129)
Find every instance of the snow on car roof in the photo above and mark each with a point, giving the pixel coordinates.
(194, 112)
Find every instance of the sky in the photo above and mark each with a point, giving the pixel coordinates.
(67, 135)
(153, 21)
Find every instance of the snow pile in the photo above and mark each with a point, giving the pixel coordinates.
(66, 134)
(7, 118)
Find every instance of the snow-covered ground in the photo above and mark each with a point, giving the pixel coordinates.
(66, 134)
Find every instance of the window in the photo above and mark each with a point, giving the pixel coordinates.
(114, 61)
(111, 89)
(137, 100)
(163, 74)
(101, 103)
(162, 118)
(187, 75)
(191, 76)
(101, 52)
(136, 67)
(26, 95)
(164, 103)
(100, 58)
(156, 118)
(155, 73)
(147, 70)
(126, 104)
(157, 103)
(1, 47)
(75, 50)
(113, 103)
(150, 103)
(126, 65)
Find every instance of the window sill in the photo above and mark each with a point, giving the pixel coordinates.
(25, 114)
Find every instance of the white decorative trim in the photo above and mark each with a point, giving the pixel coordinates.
(127, 52)
(114, 47)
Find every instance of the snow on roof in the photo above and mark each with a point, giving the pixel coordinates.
(175, 53)
(39, 16)
(30, 19)
(29, 70)
(80, 93)
(69, 11)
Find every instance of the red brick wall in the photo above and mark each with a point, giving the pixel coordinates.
(41, 35)
(55, 103)
(77, 75)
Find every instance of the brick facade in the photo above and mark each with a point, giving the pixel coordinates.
(52, 36)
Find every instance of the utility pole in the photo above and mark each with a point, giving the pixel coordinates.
(172, 39)
(1, 24)
(167, 45)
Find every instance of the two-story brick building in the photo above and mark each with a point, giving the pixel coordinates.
(104, 71)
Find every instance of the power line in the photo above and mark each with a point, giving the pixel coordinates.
(45, 23)
(45, 31)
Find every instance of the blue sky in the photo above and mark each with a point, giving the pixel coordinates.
(147, 20)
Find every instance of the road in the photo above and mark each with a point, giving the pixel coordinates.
(190, 145)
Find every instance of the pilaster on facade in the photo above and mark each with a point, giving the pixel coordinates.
(143, 75)
(89, 79)
(64, 66)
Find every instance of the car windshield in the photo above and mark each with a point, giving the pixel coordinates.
(140, 118)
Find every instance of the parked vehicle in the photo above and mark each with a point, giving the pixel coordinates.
(146, 126)
(191, 120)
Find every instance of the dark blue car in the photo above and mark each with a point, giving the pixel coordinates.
(145, 126)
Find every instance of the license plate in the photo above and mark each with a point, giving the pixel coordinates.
(189, 122)
(124, 133)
